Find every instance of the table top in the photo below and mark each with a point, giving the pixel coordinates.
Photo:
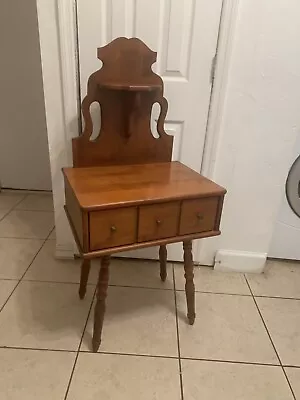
(119, 185)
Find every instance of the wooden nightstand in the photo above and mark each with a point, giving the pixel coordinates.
(124, 192)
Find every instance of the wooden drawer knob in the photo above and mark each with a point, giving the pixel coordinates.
(113, 229)
(158, 222)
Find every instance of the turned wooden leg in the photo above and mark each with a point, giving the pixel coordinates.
(163, 262)
(100, 304)
(189, 281)
(85, 270)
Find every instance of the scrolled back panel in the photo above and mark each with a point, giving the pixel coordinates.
(126, 101)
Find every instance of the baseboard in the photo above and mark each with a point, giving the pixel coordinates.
(64, 251)
(240, 261)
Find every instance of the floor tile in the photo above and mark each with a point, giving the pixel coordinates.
(3, 213)
(226, 328)
(44, 316)
(52, 235)
(34, 375)
(9, 198)
(6, 287)
(37, 202)
(48, 268)
(208, 280)
(214, 380)
(137, 321)
(27, 224)
(140, 273)
(115, 377)
(279, 279)
(16, 255)
(282, 318)
(294, 378)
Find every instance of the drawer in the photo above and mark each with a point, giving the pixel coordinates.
(198, 215)
(158, 221)
(111, 228)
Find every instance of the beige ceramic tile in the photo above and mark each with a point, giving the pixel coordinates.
(37, 202)
(6, 287)
(140, 273)
(16, 255)
(44, 316)
(48, 268)
(115, 377)
(8, 199)
(137, 321)
(282, 318)
(208, 280)
(213, 381)
(34, 375)
(294, 378)
(280, 279)
(27, 224)
(52, 235)
(3, 213)
(226, 328)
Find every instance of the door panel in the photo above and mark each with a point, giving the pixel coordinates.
(184, 34)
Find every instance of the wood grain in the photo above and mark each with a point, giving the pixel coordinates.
(74, 212)
(189, 280)
(163, 255)
(112, 228)
(100, 306)
(115, 186)
(198, 215)
(151, 243)
(126, 89)
(158, 221)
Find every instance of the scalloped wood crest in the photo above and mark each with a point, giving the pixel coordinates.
(126, 89)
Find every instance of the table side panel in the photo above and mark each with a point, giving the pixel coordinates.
(75, 214)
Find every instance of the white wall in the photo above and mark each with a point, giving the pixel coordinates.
(24, 155)
(261, 118)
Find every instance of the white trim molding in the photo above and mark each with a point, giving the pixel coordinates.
(240, 261)
(58, 57)
(207, 248)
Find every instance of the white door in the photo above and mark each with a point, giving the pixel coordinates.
(24, 153)
(286, 237)
(184, 34)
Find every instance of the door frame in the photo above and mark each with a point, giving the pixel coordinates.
(59, 58)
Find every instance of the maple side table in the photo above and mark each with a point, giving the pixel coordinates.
(124, 192)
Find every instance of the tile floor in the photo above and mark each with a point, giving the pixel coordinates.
(244, 345)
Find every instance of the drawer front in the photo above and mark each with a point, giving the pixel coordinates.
(158, 221)
(112, 228)
(198, 215)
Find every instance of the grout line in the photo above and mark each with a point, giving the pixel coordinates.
(36, 349)
(277, 297)
(78, 349)
(13, 207)
(177, 335)
(25, 238)
(128, 354)
(56, 282)
(290, 366)
(266, 328)
(149, 356)
(20, 280)
(10, 279)
(219, 293)
(232, 362)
